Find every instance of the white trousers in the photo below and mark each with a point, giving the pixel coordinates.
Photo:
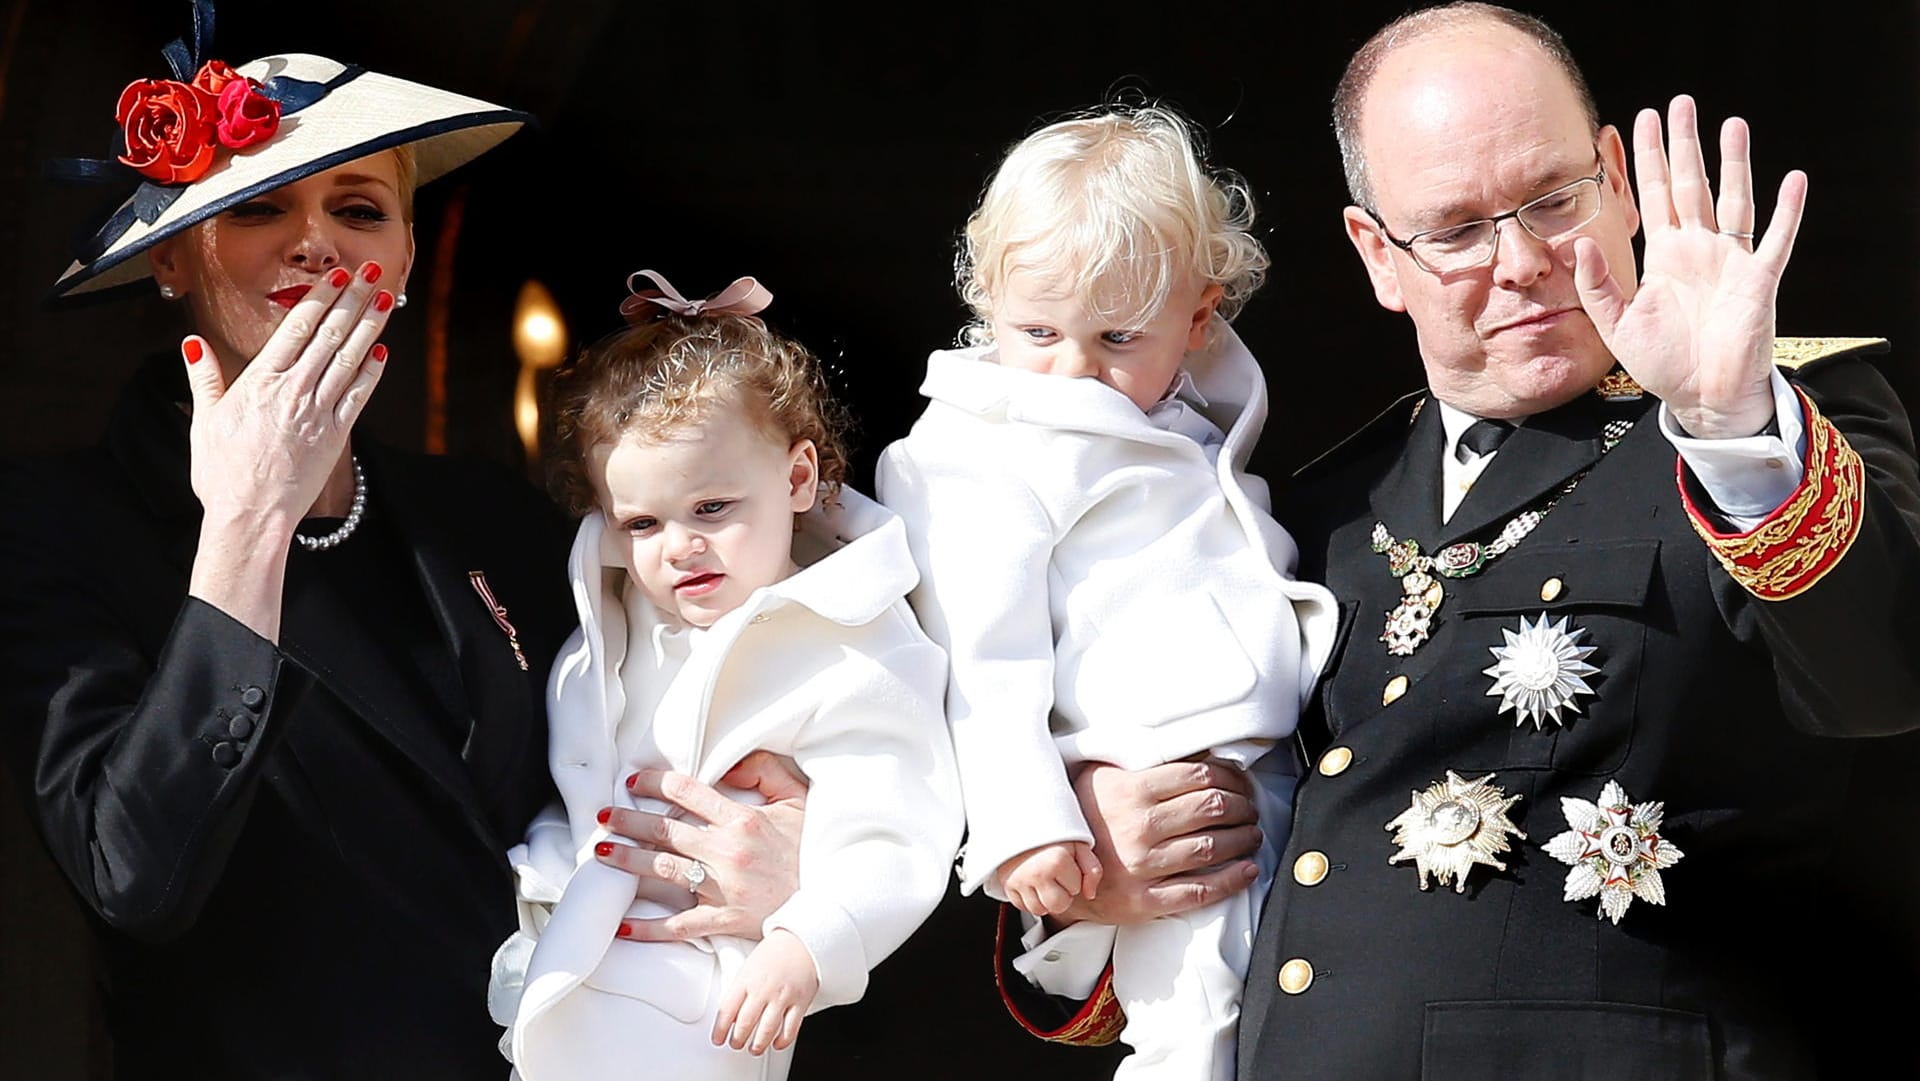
(1179, 977)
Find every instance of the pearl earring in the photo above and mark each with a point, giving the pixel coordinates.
(168, 292)
(400, 301)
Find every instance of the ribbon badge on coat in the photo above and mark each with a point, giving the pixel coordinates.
(499, 613)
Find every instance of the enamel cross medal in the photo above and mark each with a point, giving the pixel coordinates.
(1410, 623)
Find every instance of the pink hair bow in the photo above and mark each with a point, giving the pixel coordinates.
(744, 297)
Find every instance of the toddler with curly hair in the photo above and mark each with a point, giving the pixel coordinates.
(734, 596)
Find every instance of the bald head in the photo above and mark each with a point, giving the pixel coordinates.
(1388, 52)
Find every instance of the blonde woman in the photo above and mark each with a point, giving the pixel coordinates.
(274, 690)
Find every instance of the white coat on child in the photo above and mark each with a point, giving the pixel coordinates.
(1110, 590)
(827, 666)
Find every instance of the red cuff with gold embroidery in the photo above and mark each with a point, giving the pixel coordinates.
(1097, 1023)
(1804, 537)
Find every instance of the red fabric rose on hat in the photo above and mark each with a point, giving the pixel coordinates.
(169, 128)
(214, 75)
(246, 116)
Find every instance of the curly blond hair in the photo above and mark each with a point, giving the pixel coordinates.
(662, 375)
(1117, 207)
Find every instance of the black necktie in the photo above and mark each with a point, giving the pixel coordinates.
(1481, 438)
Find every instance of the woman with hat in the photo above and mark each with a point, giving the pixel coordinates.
(275, 689)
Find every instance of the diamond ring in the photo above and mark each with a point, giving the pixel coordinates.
(696, 874)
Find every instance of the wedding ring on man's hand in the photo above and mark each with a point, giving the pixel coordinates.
(1736, 233)
(696, 874)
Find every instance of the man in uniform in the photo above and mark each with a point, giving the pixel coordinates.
(1602, 780)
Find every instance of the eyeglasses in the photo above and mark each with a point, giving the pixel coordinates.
(1455, 248)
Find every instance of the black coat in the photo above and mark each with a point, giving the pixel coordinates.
(296, 861)
(1772, 731)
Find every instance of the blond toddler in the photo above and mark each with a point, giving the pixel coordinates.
(1101, 568)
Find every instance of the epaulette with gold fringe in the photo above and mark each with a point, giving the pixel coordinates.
(1799, 352)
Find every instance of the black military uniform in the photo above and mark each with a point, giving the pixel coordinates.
(1785, 853)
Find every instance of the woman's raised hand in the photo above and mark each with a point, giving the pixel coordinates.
(265, 444)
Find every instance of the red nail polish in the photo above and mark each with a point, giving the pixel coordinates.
(604, 848)
(625, 931)
(605, 813)
(371, 272)
(632, 779)
(382, 301)
(379, 352)
(192, 350)
(338, 278)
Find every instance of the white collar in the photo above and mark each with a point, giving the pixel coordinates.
(1455, 422)
(1227, 388)
(1184, 389)
(877, 571)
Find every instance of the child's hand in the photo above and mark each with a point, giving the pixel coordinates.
(766, 1006)
(1045, 880)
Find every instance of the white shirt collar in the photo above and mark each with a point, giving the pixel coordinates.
(1456, 477)
(1453, 422)
(1184, 388)
(1179, 411)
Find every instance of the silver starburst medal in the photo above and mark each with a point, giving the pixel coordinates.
(1452, 825)
(1540, 670)
(1615, 849)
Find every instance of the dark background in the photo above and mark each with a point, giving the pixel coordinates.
(834, 152)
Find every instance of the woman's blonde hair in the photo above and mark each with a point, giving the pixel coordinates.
(672, 371)
(407, 166)
(1116, 208)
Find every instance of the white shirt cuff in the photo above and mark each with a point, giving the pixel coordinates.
(1749, 477)
(1068, 963)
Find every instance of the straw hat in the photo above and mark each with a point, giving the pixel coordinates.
(329, 114)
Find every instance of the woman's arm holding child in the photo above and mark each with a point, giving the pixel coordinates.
(751, 854)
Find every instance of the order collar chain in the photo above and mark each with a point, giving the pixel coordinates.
(1410, 623)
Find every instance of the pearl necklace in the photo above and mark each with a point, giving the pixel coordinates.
(354, 513)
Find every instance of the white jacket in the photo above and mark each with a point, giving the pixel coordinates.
(1103, 591)
(828, 667)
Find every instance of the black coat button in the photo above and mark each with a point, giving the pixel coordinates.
(240, 727)
(226, 755)
(253, 698)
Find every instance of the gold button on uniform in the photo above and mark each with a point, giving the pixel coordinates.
(1335, 761)
(1310, 868)
(1396, 687)
(1296, 976)
(1551, 588)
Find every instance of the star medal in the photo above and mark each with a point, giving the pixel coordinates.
(1452, 825)
(1616, 851)
(1540, 670)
